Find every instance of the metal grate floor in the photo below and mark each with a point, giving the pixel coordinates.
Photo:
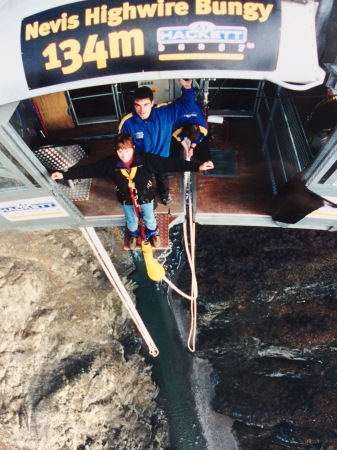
(78, 190)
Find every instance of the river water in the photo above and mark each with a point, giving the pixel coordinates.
(172, 366)
(183, 379)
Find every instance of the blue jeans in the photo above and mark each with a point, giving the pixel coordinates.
(148, 217)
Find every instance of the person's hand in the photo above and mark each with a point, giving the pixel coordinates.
(57, 176)
(208, 165)
(187, 84)
(188, 152)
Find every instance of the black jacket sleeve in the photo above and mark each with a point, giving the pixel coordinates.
(159, 164)
(101, 169)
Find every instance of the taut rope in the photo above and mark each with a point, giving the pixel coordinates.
(110, 271)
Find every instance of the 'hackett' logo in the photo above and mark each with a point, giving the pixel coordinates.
(205, 37)
(201, 32)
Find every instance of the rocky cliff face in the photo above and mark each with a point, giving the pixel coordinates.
(268, 326)
(71, 373)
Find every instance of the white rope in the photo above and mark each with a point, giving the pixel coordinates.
(110, 271)
(172, 286)
(191, 259)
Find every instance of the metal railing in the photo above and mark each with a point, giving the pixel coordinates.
(285, 144)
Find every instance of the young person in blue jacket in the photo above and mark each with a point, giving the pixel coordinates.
(126, 164)
(190, 133)
(151, 126)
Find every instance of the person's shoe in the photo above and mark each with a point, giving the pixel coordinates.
(155, 241)
(166, 200)
(133, 242)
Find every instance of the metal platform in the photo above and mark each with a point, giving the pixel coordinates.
(237, 192)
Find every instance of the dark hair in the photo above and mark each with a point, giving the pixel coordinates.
(143, 92)
(191, 131)
(124, 140)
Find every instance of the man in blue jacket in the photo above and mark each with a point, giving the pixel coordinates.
(151, 126)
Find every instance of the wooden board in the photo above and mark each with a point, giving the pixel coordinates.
(54, 111)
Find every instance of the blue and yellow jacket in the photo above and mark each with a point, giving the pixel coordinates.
(194, 116)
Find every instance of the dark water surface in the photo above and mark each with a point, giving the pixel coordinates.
(171, 368)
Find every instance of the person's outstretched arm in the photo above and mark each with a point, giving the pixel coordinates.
(158, 164)
(100, 169)
(207, 165)
(187, 84)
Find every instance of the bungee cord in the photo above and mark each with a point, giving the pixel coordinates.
(190, 252)
(189, 239)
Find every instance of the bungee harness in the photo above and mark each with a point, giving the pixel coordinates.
(145, 233)
(155, 270)
(130, 175)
